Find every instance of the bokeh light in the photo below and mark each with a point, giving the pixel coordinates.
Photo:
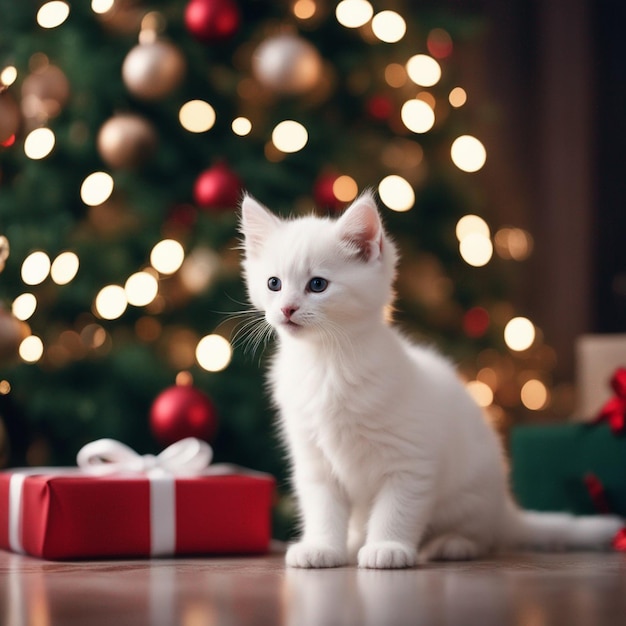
(141, 288)
(167, 256)
(102, 6)
(417, 116)
(31, 349)
(241, 126)
(8, 75)
(64, 268)
(423, 70)
(439, 43)
(457, 97)
(396, 193)
(304, 9)
(468, 153)
(395, 75)
(388, 26)
(289, 136)
(354, 13)
(35, 268)
(39, 143)
(111, 302)
(534, 395)
(513, 243)
(197, 116)
(24, 306)
(345, 188)
(96, 188)
(213, 353)
(52, 14)
(470, 224)
(476, 249)
(519, 334)
(481, 392)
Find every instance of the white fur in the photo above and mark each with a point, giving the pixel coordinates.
(392, 460)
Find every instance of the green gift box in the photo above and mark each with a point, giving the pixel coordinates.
(550, 464)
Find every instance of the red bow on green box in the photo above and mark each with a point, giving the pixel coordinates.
(614, 411)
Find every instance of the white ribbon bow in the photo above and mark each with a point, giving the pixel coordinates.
(187, 457)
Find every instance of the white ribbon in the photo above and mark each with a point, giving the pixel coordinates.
(187, 457)
(104, 457)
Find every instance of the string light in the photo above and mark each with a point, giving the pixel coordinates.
(8, 75)
(39, 143)
(111, 302)
(397, 193)
(388, 26)
(468, 153)
(102, 6)
(24, 306)
(423, 70)
(141, 289)
(35, 268)
(64, 268)
(213, 353)
(197, 116)
(304, 9)
(31, 349)
(354, 13)
(513, 243)
(167, 256)
(469, 224)
(289, 136)
(395, 75)
(96, 188)
(417, 116)
(52, 14)
(519, 334)
(481, 392)
(241, 126)
(345, 188)
(534, 395)
(457, 97)
(476, 249)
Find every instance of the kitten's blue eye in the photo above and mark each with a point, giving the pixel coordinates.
(317, 284)
(274, 284)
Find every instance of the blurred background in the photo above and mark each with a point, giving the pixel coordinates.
(491, 131)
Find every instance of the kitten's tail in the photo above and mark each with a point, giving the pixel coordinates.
(561, 531)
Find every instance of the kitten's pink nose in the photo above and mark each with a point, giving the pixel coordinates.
(288, 311)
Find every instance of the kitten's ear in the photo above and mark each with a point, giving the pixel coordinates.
(256, 223)
(360, 227)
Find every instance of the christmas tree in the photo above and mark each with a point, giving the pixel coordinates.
(129, 130)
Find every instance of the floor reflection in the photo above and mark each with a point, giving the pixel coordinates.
(524, 591)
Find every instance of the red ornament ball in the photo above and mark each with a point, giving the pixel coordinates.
(217, 188)
(212, 20)
(182, 411)
(380, 108)
(476, 322)
(324, 194)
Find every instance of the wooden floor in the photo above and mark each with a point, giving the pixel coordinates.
(525, 590)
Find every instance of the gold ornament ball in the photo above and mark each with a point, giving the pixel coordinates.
(9, 116)
(287, 64)
(153, 70)
(45, 92)
(127, 141)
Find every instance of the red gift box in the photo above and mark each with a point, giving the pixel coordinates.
(69, 514)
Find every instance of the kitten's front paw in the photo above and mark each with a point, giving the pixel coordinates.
(387, 555)
(306, 554)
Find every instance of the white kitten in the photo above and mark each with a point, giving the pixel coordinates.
(391, 457)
